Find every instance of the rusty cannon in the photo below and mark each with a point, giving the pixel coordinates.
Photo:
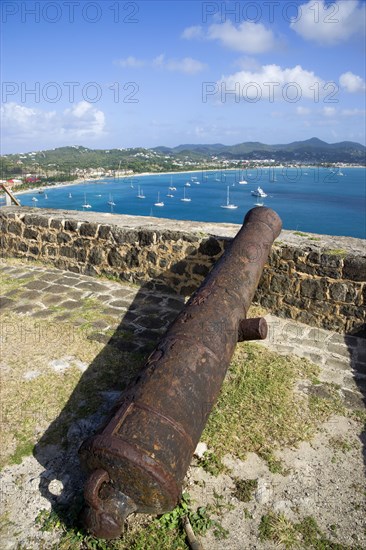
(138, 460)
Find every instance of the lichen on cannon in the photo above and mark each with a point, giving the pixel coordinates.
(138, 460)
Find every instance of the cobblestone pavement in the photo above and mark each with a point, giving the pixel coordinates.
(46, 293)
(342, 358)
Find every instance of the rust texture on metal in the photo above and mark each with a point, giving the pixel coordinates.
(138, 460)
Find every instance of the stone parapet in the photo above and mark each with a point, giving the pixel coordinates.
(316, 279)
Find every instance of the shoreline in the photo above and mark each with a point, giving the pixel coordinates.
(144, 174)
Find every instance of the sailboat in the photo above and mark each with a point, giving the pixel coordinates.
(259, 192)
(185, 199)
(34, 199)
(171, 187)
(159, 203)
(111, 202)
(242, 181)
(46, 197)
(140, 194)
(86, 205)
(228, 205)
(70, 196)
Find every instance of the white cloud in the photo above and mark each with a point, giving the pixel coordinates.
(302, 111)
(130, 61)
(273, 83)
(353, 112)
(193, 32)
(81, 120)
(248, 37)
(332, 23)
(329, 111)
(352, 82)
(186, 65)
(17, 118)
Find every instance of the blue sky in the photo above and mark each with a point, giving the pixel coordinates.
(123, 74)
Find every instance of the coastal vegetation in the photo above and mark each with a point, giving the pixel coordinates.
(73, 162)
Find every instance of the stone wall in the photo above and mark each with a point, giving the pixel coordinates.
(316, 279)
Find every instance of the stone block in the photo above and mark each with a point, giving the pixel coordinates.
(51, 251)
(115, 259)
(331, 260)
(179, 267)
(290, 253)
(338, 292)
(201, 269)
(152, 258)
(34, 250)
(355, 268)
(314, 257)
(15, 228)
(314, 289)
(56, 224)
(349, 311)
(68, 252)
(88, 229)
(104, 232)
(96, 256)
(306, 317)
(48, 237)
(131, 258)
(171, 236)
(63, 238)
(146, 237)
(280, 284)
(81, 255)
(23, 247)
(36, 220)
(210, 247)
(30, 233)
(125, 236)
(304, 267)
(71, 225)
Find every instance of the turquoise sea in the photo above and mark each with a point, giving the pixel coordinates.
(316, 200)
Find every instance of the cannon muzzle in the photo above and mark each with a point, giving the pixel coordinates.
(138, 460)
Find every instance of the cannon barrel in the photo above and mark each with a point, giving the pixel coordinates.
(138, 460)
